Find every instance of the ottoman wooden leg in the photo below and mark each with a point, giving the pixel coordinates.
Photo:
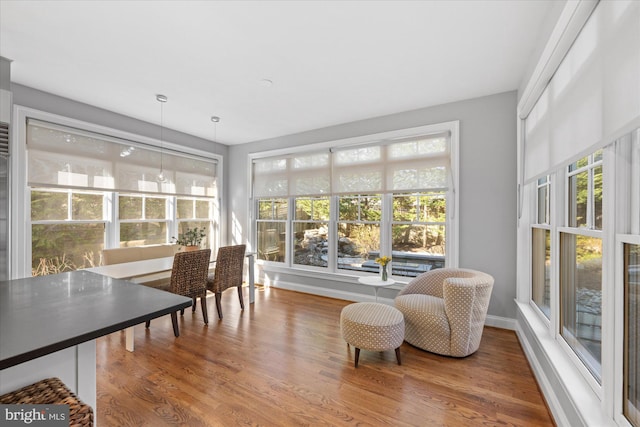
(398, 356)
(357, 356)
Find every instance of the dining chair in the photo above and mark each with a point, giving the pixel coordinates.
(189, 278)
(228, 273)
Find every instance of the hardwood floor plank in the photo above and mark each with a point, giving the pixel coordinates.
(282, 361)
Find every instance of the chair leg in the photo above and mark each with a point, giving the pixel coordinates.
(357, 356)
(147, 324)
(203, 302)
(193, 306)
(240, 296)
(218, 305)
(174, 321)
(398, 356)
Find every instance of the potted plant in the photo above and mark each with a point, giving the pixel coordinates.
(191, 238)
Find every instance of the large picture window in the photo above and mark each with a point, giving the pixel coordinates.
(339, 208)
(90, 191)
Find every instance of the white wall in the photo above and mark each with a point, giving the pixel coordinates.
(487, 193)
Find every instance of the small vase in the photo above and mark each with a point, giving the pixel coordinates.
(384, 273)
(191, 248)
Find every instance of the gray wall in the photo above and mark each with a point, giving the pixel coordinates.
(487, 175)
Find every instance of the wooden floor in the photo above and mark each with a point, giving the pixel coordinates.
(282, 362)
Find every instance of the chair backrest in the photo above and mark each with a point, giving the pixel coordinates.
(189, 273)
(229, 267)
(466, 300)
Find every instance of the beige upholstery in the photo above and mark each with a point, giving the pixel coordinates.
(372, 326)
(137, 253)
(445, 309)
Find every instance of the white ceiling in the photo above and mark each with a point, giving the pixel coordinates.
(330, 62)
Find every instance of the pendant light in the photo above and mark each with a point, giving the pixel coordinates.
(161, 99)
(215, 120)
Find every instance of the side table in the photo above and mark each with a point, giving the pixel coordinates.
(376, 282)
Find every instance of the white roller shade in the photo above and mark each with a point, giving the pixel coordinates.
(66, 157)
(292, 175)
(593, 97)
(409, 164)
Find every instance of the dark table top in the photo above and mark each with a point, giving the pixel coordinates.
(41, 315)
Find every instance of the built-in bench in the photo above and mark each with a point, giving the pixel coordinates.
(140, 253)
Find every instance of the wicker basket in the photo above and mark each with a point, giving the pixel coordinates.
(52, 391)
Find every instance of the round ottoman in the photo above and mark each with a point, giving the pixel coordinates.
(372, 326)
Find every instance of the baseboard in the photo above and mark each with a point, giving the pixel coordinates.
(500, 322)
(494, 321)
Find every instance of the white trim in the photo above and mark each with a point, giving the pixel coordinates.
(493, 321)
(451, 126)
(571, 385)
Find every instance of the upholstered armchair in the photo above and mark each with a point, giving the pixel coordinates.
(445, 309)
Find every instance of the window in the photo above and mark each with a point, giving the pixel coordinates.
(631, 374)
(541, 248)
(418, 232)
(311, 231)
(272, 229)
(358, 228)
(89, 191)
(198, 213)
(581, 262)
(143, 220)
(67, 230)
(339, 208)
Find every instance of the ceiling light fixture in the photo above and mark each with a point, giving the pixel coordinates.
(215, 120)
(161, 99)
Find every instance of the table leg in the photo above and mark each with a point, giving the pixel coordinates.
(252, 287)
(129, 338)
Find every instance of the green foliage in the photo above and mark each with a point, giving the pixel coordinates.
(191, 237)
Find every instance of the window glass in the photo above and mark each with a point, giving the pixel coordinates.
(185, 208)
(130, 207)
(87, 206)
(49, 205)
(56, 248)
(541, 270)
(631, 401)
(311, 231)
(202, 208)
(578, 192)
(272, 229)
(597, 197)
(418, 233)
(142, 233)
(359, 232)
(581, 297)
(155, 208)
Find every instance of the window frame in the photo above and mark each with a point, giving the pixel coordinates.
(21, 236)
(452, 195)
